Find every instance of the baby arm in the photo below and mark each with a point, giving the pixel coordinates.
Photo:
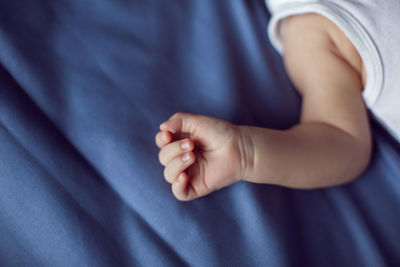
(331, 145)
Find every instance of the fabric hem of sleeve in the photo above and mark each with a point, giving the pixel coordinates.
(350, 26)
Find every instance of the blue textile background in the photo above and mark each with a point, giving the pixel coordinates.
(84, 85)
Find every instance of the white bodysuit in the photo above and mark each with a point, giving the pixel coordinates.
(373, 26)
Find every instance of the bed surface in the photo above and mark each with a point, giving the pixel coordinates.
(84, 86)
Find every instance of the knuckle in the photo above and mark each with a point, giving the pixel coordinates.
(169, 174)
(158, 140)
(161, 158)
(178, 114)
(180, 198)
(166, 174)
(177, 195)
(161, 142)
(164, 155)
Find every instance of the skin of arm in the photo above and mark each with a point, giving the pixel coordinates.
(331, 145)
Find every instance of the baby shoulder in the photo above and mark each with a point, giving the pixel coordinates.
(307, 36)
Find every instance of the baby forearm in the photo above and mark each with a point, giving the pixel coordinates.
(309, 155)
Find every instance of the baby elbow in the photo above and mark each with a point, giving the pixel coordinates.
(362, 157)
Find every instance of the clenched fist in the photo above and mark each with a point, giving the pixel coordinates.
(200, 154)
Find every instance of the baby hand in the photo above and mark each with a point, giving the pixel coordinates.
(201, 154)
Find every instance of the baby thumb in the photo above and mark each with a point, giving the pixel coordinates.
(180, 123)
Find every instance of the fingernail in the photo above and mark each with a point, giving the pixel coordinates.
(180, 178)
(164, 137)
(186, 157)
(185, 145)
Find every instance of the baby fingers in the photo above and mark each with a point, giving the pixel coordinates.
(175, 149)
(163, 138)
(180, 187)
(178, 165)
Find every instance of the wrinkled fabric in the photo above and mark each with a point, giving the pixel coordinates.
(84, 85)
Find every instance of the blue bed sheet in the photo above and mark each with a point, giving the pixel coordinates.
(84, 85)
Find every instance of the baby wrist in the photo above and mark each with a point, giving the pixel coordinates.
(246, 153)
